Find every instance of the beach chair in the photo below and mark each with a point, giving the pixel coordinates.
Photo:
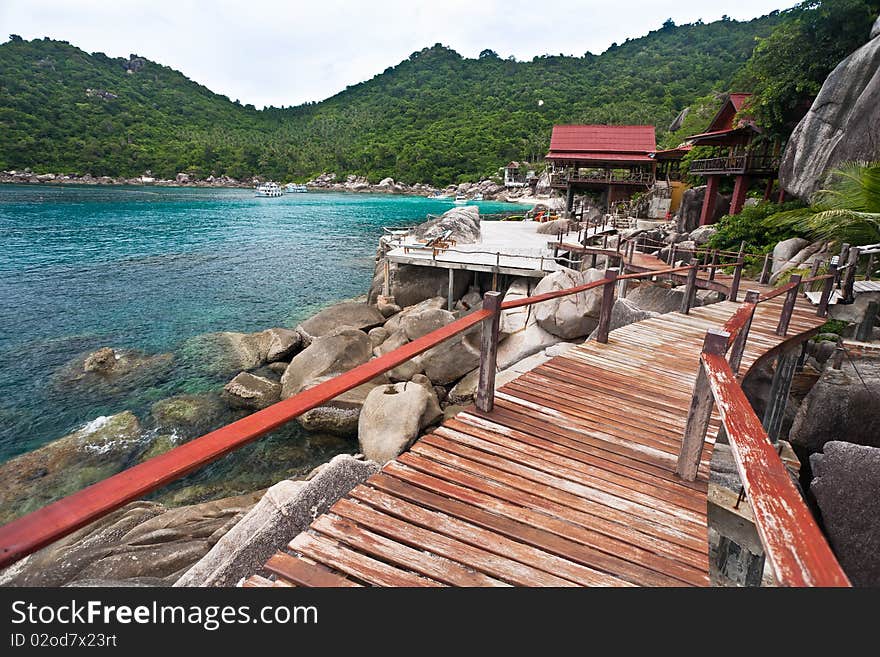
(435, 244)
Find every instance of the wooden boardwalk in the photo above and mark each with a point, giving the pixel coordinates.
(569, 481)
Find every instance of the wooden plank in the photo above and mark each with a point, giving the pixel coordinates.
(546, 533)
(513, 561)
(364, 568)
(628, 539)
(441, 569)
(302, 573)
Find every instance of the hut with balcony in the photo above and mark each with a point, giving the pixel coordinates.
(738, 150)
(612, 159)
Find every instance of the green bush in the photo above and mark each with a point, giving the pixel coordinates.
(748, 226)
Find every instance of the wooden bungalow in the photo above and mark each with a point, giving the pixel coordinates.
(610, 158)
(516, 174)
(736, 151)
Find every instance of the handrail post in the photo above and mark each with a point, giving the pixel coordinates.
(700, 411)
(739, 343)
(737, 277)
(827, 289)
(788, 306)
(690, 288)
(607, 305)
(849, 277)
(765, 270)
(671, 255)
(485, 397)
(713, 262)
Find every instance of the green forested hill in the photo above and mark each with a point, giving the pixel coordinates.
(436, 117)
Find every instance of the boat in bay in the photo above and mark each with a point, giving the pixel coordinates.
(270, 189)
(293, 188)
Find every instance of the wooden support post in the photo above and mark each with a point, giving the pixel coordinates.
(713, 262)
(779, 389)
(700, 411)
(739, 343)
(485, 397)
(765, 270)
(788, 305)
(814, 268)
(864, 330)
(849, 276)
(869, 270)
(690, 288)
(827, 289)
(593, 261)
(386, 285)
(844, 252)
(671, 255)
(450, 291)
(737, 277)
(607, 305)
(494, 281)
(837, 358)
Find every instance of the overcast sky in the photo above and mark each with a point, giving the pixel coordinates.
(286, 53)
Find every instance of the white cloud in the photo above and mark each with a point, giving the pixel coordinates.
(287, 53)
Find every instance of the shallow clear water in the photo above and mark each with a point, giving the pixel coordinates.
(147, 268)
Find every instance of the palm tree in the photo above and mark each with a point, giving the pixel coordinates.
(848, 211)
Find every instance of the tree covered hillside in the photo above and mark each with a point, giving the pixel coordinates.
(436, 117)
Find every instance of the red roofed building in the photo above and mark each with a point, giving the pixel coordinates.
(735, 152)
(611, 158)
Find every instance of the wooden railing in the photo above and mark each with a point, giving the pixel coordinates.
(778, 509)
(742, 163)
(608, 176)
(794, 545)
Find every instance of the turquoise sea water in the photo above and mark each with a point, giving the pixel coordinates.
(147, 268)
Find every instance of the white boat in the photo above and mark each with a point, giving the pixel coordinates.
(268, 189)
(294, 188)
(437, 196)
(461, 199)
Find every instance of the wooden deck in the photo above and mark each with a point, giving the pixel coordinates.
(569, 481)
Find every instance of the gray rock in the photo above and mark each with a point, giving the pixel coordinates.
(99, 449)
(415, 325)
(453, 359)
(227, 352)
(558, 227)
(841, 406)
(875, 30)
(703, 234)
(392, 342)
(348, 313)
(283, 512)
(688, 216)
(572, 316)
(251, 392)
(102, 360)
(189, 415)
(143, 542)
(854, 312)
(327, 356)
(625, 312)
(785, 251)
(846, 485)
(412, 284)
(396, 323)
(464, 222)
(280, 344)
(524, 343)
(377, 336)
(516, 319)
(842, 125)
(656, 298)
(392, 418)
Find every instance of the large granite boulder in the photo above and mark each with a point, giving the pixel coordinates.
(415, 325)
(252, 392)
(101, 448)
(842, 405)
(107, 371)
(348, 313)
(464, 222)
(230, 351)
(846, 486)
(395, 323)
(326, 357)
(392, 418)
(516, 319)
(412, 284)
(625, 312)
(190, 415)
(841, 126)
(284, 511)
(656, 298)
(143, 543)
(451, 360)
(557, 227)
(703, 234)
(785, 251)
(572, 316)
(687, 218)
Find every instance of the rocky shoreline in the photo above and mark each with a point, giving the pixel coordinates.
(490, 190)
(215, 543)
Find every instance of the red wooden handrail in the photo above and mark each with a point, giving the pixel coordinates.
(39, 528)
(795, 547)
